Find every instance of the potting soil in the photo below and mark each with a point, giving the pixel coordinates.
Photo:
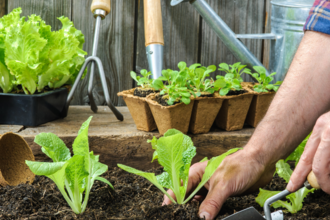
(143, 92)
(133, 198)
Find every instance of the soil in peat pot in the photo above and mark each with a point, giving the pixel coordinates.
(140, 92)
(133, 198)
(163, 101)
(236, 92)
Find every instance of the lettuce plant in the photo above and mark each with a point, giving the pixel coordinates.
(227, 83)
(295, 200)
(176, 87)
(74, 176)
(33, 57)
(175, 152)
(144, 81)
(264, 80)
(234, 71)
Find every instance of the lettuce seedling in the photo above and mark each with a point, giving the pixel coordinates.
(176, 88)
(175, 152)
(144, 81)
(234, 71)
(227, 83)
(264, 80)
(72, 175)
(295, 200)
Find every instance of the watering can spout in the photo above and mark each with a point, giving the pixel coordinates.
(227, 36)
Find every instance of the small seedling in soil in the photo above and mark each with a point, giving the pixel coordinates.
(145, 83)
(175, 152)
(295, 200)
(228, 84)
(176, 89)
(263, 80)
(75, 175)
(235, 71)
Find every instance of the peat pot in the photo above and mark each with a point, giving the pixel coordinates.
(13, 152)
(166, 117)
(139, 109)
(233, 112)
(33, 110)
(204, 113)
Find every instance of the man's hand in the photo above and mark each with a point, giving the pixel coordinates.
(316, 157)
(237, 173)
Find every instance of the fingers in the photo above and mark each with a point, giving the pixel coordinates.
(167, 201)
(210, 207)
(321, 163)
(304, 166)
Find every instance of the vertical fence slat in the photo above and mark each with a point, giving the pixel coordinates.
(115, 49)
(181, 35)
(49, 10)
(3, 7)
(265, 58)
(243, 17)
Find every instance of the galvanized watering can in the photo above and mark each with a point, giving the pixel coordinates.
(287, 20)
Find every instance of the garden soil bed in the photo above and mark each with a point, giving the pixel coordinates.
(133, 198)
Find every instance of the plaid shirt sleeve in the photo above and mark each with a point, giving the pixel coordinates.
(319, 17)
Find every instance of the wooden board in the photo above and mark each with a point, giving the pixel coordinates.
(120, 142)
(243, 17)
(181, 36)
(115, 48)
(3, 8)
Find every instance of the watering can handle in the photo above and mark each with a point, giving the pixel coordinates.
(153, 24)
(101, 4)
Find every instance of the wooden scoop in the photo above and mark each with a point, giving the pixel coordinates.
(311, 178)
(13, 152)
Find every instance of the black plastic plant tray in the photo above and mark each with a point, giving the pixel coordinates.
(33, 110)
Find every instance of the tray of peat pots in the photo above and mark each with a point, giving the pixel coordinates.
(263, 95)
(135, 100)
(172, 106)
(206, 104)
(236, 99)
(35, 66)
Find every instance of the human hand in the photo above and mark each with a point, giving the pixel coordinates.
(316, 157)
(238, 173)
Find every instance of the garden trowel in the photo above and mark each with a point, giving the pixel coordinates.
(252, 213)
(154, 38)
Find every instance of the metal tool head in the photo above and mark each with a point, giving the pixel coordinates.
(176, 2)
(251, 213)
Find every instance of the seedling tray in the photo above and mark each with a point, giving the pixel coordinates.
(33, 110)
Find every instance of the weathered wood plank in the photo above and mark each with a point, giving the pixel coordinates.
(49, 10)
(115, 48)
(120, 142)
(243, 17)
(181, 36)
(3, 8)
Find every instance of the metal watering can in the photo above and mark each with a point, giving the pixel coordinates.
(287, 20)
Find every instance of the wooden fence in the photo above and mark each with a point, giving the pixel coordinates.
(121, 44)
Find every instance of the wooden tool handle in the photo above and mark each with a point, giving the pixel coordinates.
(312, 180)
(101, 4)
(153, 24)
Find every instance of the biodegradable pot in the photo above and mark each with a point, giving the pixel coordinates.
(140, 111)
(33, 110)
(175, 116)
(204, 113)
(13, 152)
(233, 111)
(258, 108)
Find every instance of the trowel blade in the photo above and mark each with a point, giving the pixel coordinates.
(246, 214)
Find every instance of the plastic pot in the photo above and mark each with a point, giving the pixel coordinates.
(233, 111)
(204, 112)
(33, 110)
(13, 152)
(166, 117)
(140, 111)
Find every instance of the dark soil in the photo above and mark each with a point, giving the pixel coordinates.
(161, 100)
(236, 92)
(143, 92)
(133, 198)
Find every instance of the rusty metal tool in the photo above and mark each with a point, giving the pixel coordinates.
(252, 213)
(154, 38)
(100, 9)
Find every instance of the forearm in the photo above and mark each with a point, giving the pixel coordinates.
(301, 99)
